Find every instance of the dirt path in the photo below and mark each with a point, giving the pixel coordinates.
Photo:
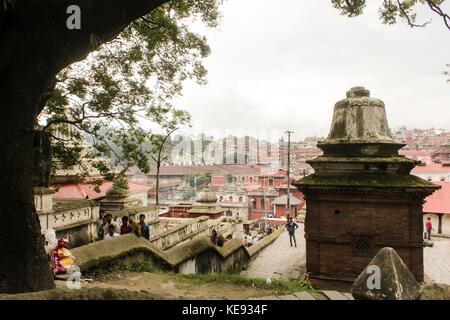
(169, 286)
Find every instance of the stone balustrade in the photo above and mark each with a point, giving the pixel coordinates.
(197, 256)
(181, 233)
(75, 220)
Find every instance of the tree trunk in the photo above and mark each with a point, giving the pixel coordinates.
(35, 45)
(23, 262)
(158, 166)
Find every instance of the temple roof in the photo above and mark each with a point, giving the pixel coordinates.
(439, 201)
(83, 190)
(282, 200)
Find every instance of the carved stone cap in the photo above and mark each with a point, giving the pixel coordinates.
(360, 119)
(358, 92)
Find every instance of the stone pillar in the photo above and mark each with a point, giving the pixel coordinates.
(361, 197)
(440, 215)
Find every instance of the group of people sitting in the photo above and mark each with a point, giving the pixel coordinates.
(270, 229)
(108, 229)
(61, 259)
(219, 239)
(250, 240)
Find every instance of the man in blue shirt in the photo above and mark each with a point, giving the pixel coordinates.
(145, 229)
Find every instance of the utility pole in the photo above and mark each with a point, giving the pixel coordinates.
(264, 204)
(288, 202)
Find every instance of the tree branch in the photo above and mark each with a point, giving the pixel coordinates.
(408, 18)
(435, 8)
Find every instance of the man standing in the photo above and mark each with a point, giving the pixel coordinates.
(428, 228)
(291, 227)
(145, 229)
(111, 233)
(125, 228)
(109, 222)
(101, 228)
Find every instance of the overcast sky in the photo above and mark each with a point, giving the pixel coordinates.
(282, 64)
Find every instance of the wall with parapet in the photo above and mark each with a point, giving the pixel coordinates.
(183, 232)
(197, 256)
(75, 220)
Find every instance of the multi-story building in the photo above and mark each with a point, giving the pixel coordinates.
(233, 199)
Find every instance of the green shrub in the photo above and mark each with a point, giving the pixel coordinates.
(286, 286)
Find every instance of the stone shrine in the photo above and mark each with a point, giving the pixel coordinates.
(206, 205)
(361, 197)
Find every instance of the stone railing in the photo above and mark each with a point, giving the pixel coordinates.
(197, 256)
(256, 248)
(43, 199)
(75, 220)
(181, 233)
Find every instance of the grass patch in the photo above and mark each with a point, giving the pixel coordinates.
(284, 286)
(116, 266)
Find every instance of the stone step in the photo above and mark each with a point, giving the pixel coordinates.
(334, 295)
(288, 297)
(303, 295)
(268, 298)
(348, 295)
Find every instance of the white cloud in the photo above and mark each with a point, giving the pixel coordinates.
(282, 64)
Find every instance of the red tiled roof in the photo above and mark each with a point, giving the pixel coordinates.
(252, 187)
(279, 173)
(432, 167)
(439, 201)
(216, 170)
(81, 190)
(415, 153)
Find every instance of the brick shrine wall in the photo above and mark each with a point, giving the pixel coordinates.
(386, 222)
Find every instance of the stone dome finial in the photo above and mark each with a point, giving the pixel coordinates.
(358, 92)
(360, 118)
(359, 121)
(207, 195)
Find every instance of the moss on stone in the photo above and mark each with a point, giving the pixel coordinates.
(374, 181)
(398, 159)
(66, 205)
(82, 294)
(42, 191)
(111, 254)
(116, 192)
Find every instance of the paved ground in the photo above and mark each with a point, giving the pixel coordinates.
(437, 261)
(280, 260)
(313, 295)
